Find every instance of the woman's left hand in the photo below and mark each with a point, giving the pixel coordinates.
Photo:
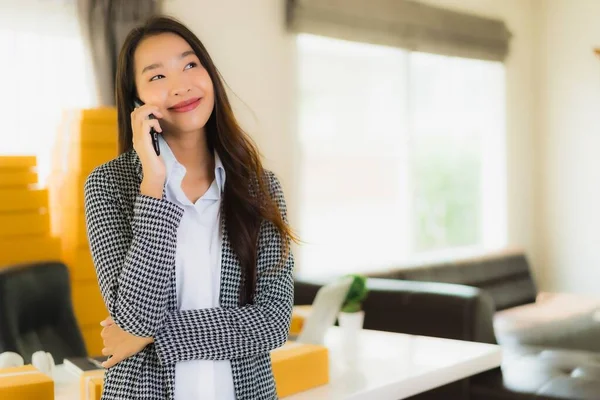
(119, 344)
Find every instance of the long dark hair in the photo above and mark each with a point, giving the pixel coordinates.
(246, 199)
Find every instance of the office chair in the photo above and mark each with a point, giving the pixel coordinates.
(36, 312)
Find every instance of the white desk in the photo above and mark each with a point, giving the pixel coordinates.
(392, 366)
(388, 366)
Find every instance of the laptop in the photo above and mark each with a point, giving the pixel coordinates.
(324, 310)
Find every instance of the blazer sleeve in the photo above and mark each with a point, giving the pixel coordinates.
(229, 333)
(131, 256)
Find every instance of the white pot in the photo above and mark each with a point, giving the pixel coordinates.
(351, 321)
(351, 325)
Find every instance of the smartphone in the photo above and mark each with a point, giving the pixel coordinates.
(138, 103)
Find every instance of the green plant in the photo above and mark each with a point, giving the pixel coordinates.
(356, 295)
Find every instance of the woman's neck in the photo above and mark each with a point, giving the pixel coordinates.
(191, 151)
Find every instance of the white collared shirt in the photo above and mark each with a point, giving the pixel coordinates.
(198, 275)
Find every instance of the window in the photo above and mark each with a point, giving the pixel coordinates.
(44, 71)
(402, 156)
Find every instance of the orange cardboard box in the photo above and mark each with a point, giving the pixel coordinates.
(21, 200)
(92, 339)
(25, 383)
(299, 315)
(298, 367)
(20, 177)
(88, 304)
(91, 384)
(20, 249)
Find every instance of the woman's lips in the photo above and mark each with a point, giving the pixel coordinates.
(186, 106)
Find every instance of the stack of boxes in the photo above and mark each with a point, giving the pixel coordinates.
(25, 234)
(87, 139)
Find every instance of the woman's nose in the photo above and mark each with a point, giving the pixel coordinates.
(180, 85)
(180, 90)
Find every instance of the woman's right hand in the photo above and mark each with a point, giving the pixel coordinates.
(153, 166)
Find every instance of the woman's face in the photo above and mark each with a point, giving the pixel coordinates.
(168, 75)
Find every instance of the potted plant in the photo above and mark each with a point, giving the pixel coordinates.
(352, 315)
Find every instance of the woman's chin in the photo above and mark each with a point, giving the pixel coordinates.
(194, 124)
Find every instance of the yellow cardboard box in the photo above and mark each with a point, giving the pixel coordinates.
(93, 340)
(25, 383)
(88, 304)
(18, 177)
(19, 200)
(80, 263)
(73, 228)
(298, 367)
(72, 191)
(299, 315)
(35, 222)
(91, 383)
(18, 162)
(91, 127)
(20, 249)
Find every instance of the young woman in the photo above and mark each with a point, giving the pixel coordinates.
(192, 246)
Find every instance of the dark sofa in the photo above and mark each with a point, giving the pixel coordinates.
(464, 306)
(523, 316)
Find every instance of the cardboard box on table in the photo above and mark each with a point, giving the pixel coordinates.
(298, 367)
(25, 383)
(299, 314)
(91, 384)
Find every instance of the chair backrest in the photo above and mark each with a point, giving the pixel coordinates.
(36, 312)
(324, 310)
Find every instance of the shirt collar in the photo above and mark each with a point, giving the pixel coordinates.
(171, 164)
(219, 173)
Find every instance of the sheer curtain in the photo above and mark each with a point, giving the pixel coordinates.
(45, 69)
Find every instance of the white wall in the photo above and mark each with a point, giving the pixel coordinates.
(569, 143)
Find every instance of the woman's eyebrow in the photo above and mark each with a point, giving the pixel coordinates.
(158, 65)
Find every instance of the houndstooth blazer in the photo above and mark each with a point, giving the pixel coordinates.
(133, 240)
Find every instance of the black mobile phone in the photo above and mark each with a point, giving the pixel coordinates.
(138, 103)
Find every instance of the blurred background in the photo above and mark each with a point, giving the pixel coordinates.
(398, 141)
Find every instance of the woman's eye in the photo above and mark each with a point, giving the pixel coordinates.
(191, 65)
(155, 77)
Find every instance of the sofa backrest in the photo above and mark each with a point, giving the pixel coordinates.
(419, 308)
(505, 276)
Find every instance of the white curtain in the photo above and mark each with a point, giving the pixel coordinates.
(44, 69)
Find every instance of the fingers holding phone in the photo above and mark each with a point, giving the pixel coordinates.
(143, 122)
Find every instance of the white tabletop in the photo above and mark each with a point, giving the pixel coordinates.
(382, 366)
(392, 366)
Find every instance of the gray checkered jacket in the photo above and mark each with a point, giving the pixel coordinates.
(133, 239)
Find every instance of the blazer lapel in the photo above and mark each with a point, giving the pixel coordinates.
(230, 272)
